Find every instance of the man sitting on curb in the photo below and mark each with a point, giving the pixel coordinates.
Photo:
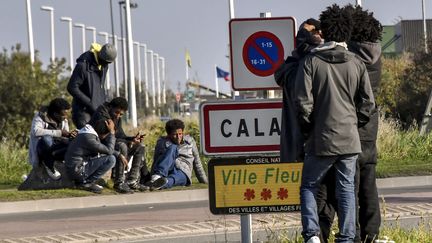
(174, 157)
(128, 146)
(88, 159)
(49, 136)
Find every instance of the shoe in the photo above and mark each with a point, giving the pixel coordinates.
(155, 177)
(91, 187)
(159, 184)
(52, 173)
(101, 182)
(139, 187)
(314, 239)
(123, 188)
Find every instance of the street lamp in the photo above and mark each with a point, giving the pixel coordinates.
(30, 31)
(51, 10)
(93, 29)
(69, 20)
(82, 26)
(156, 56)
(152, 79)
(163, 79)
(144, 46)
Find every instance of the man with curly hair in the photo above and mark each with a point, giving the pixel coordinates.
(364, 42)
(333, 98)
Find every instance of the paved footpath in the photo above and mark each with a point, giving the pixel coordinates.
(395, 206)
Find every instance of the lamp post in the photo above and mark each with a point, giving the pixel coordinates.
(137, 45)
(424, 26)
(69, 20)
(51, 10)
(152, 80)
(82, 26)
(146, 93)
(358, 3)
(93, 29)
(125, 74)
(162, 59)
(108, 80)
(156, 57)
(30, 31)
(116, 73)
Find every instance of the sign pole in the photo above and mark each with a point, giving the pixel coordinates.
(246, 228)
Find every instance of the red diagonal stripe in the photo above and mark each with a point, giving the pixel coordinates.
(262, 53)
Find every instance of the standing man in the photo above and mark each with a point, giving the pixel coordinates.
(87, 83)
(365, 43)
(333, 97)
(128, 146)
(175, 156)
(49, 136)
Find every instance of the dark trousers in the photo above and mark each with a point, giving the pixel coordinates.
(51, 149)
(138, 171)
(368, 214)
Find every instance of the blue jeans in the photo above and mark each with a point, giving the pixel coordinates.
(314, 170)
(97, 167)
(166, 167)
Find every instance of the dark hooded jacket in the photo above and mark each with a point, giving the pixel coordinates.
(370, 54)
(334, 97)
(86, 84)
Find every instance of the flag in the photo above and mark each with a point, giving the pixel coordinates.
(222, 74)
(188, 59)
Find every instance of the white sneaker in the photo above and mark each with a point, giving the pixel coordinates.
(314, 239)
(54, 175)
(155, 177)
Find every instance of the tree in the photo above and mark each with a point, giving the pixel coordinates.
(23, 89)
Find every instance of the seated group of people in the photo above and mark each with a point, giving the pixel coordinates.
(102, 145)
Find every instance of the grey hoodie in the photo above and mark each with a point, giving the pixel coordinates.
(333, 97)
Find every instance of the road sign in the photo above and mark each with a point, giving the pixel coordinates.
(254, 185)
(258, 47)
(240, 127)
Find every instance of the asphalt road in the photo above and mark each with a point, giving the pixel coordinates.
(61, 222)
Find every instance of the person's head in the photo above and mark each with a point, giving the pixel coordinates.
(308, 36)
(365, 26)
(107, 54)
(117, 107)
(58, 109)
(174, 129)
(101, 128)
(336, 24)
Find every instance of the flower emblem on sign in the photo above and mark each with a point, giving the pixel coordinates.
(249, 194)
(266, 194)
(282, 193)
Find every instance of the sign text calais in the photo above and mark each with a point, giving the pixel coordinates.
(243, 127)
(253, 185)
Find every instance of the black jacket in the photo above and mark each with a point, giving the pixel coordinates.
(86, 84)
(370, 54)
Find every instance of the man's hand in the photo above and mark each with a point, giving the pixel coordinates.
(124, 161)
(73, 134)
(110, 125)
(138, 138)
(65, 133)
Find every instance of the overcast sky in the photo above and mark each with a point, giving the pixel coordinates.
(170, 26)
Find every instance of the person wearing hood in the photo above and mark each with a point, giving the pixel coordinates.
(364, 42)
(87, 159)
(49, 136)
(128, 146)
(87, 83)
(333, 97)
(291, 139)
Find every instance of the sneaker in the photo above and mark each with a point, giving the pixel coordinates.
(159, 183)
(53, 173)
(155, 177)
(101, 182)
(139, 187)
(123, 188)
(314, 239)
(91, 187)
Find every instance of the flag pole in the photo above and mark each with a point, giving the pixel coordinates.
(186, 64)
(216, 82)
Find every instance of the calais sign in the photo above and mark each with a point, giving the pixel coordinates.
(258, 47)
(253, 185)
(240, 127)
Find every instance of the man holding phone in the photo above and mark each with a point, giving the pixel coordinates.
(128, 146)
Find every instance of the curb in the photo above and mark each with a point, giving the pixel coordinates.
(159, 197)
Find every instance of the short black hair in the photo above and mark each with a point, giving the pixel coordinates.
(119, 102)
(58, 105)
(173, 125)
(100, 127)
(365, 26)
(336, 24)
